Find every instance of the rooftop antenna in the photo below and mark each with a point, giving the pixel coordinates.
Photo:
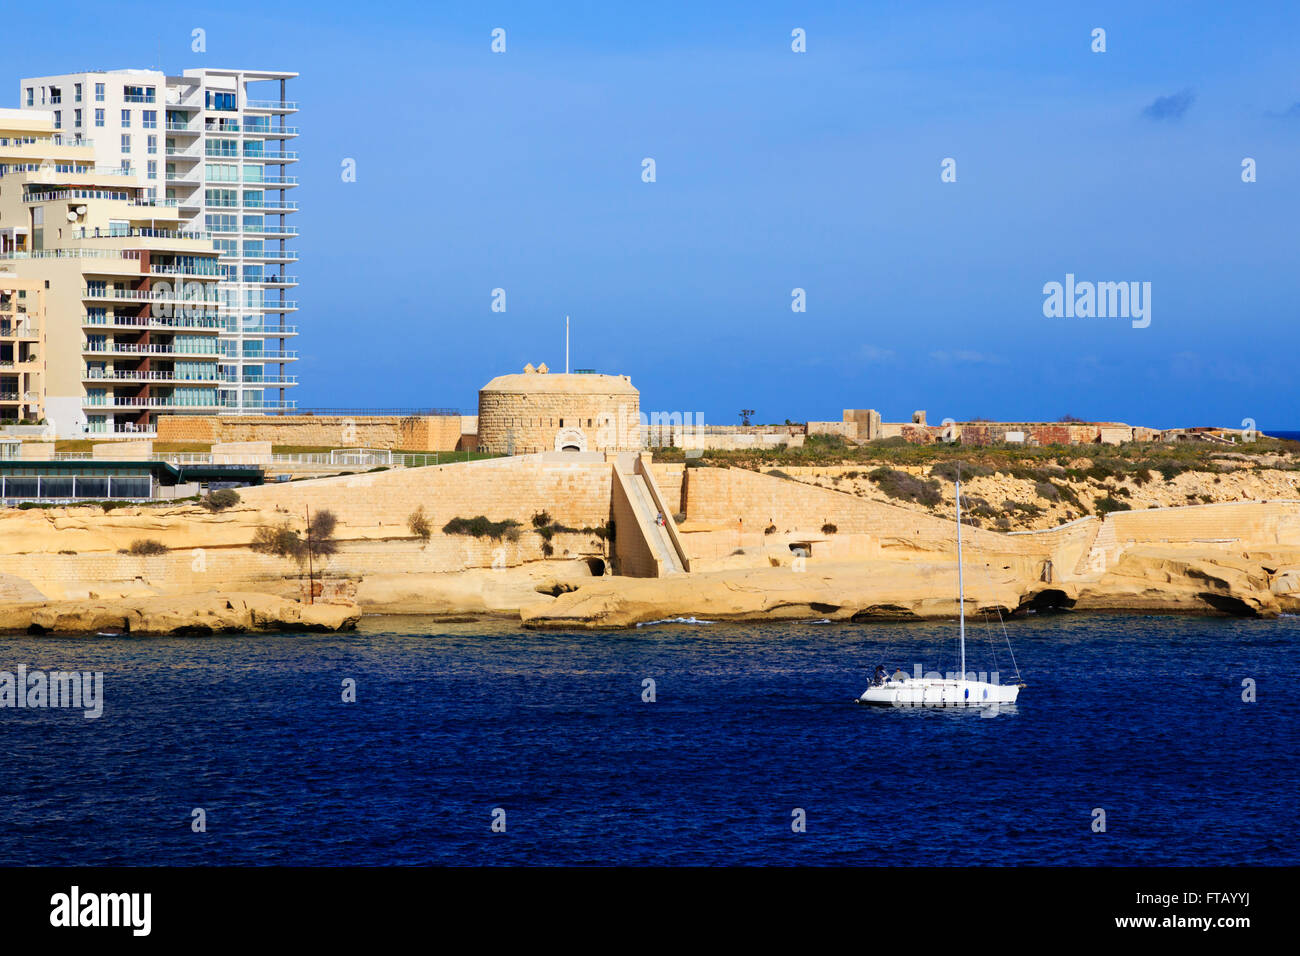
(566, 345)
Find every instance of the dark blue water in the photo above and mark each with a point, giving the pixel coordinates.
(1139, 716)
(1289, 436)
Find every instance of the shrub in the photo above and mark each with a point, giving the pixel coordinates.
(220, 500)
(481, 527)
(770, 529)
(901, 485)
(1046, 489)
(145, 546)
(542, 519)
(418, 523)
(280, 540)
(829, 528)
(1106, 505)
(284, 542)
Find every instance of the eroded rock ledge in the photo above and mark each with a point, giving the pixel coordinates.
(197, 615)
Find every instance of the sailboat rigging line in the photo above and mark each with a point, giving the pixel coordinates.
(1001, 621)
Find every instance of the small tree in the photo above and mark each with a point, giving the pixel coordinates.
(744, 415)
(418, 523)
(315, 544)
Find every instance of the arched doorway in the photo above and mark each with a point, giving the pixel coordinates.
(570, 439)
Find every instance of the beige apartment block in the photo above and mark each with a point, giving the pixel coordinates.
(22, 344)
(128, 308)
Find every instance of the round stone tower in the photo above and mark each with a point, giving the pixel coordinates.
(539, 411)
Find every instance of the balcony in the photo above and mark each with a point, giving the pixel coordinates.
(272, 206)
(142, 295)
(271, 132)
(203, 324)
(159, 402)
(259, 331)
(288, 305)
(260, 404)
(271, 255)
(202, 272)
(270, 106)
(279, 156)
(131, 348)
(136, 375)
(275, 381)
(140, 232)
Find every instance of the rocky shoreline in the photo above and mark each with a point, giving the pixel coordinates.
(183, 615)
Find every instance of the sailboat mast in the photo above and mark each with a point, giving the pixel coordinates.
(961, 587)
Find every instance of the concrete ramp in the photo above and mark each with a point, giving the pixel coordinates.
(644, 547)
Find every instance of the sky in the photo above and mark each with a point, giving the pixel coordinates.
(777, 170)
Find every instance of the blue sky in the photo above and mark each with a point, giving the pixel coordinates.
(776, 171)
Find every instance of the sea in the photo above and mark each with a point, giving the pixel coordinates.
(1137, 740)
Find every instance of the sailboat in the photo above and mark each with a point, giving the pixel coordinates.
(903, 691)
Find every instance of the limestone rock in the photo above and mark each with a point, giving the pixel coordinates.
(211, 613)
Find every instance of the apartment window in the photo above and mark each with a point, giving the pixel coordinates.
(222, 147)
(138, 94)
(76, 94)
(126, 119)
(99, 117)
(58, 119)
(153, 144)
(152, 169)
(76, 118)
(222, 173)
(150, 119)
(219, 101)
(221, 222)
(99, 92)
(31, 96)
(126, 143)
(229, 198)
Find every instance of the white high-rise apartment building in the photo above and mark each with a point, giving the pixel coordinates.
(213, 146)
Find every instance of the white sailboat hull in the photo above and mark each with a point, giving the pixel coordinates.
(933, 692)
